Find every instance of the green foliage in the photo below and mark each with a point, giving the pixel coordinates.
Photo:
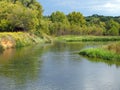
(76, 18)
(58, 29)
(107, 52)
(59, 23)
(59, 17)
(72, 38)
(113, 31)
(16, 17)
(93, 30)
(112, 27)
(44, 26)
(26, 15)
(4, 25)
(100, 53)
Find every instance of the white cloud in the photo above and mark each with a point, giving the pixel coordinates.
(111, 6)
(105, 7)
(108, 7)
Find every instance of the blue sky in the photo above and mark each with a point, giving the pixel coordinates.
(86, 7)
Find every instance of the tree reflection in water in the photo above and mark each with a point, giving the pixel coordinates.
(21, 65)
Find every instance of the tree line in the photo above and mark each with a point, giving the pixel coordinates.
(26, 15)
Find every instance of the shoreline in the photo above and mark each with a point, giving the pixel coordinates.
(18, 39)
(107, 52)
(72, 38)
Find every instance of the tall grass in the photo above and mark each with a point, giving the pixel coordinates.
(107, 52)
(114, 47)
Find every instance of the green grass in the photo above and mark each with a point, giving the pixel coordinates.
(21, 38)
(107, 52)
(87, 38)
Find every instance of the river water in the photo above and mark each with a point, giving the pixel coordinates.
(56, 66)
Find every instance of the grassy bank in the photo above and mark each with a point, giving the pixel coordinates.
(88, 38)
(107, 52)
(18, 39)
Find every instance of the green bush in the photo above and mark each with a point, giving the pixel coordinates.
(16, 17)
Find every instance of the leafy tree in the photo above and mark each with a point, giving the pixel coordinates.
(18, 17)
(59, 17)
(26, 15)
(4, 24)
(113, 31)
(45, 26)
(76, 18)
(112, 27)
(59, 23)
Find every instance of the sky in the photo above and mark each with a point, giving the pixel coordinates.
(86, 7)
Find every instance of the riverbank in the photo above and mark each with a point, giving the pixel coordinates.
(18, 39)
(107, 52)
(72, 38)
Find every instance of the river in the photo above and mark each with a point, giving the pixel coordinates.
(56, 66)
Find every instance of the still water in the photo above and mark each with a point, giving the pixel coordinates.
(56, 67)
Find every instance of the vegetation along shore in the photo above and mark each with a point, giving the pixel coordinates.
(18, 39)
(74, 38)
(106, 52)
(22, 23)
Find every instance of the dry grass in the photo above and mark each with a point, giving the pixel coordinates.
(114, 47)
(18, 39)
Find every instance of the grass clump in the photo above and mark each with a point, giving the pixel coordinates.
(100, 53)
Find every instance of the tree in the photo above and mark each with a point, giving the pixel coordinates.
(59, 23)
(112, 27)
(76, 18)
(17, 17)
(59, 17)
(113, 31)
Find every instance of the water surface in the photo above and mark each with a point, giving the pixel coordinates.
(56, 67)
